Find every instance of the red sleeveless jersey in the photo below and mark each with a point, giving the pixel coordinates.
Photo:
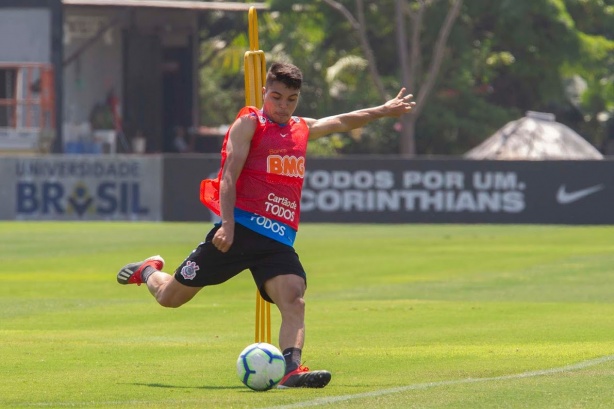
(271, 181)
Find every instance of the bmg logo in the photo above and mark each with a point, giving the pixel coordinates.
(105, 199)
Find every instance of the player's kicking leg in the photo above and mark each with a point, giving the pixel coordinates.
(167, 291)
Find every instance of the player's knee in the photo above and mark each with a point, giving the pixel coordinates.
(299, 304)
(287, 292)
(294, 304)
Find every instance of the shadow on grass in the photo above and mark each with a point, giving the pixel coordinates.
(161, 385)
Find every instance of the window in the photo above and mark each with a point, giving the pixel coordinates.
(8, 81)
(26, 96)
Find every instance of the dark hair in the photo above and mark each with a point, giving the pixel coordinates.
(288, 74)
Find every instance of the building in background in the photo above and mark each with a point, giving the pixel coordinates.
(99, 76)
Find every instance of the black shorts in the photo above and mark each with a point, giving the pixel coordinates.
(264, 257)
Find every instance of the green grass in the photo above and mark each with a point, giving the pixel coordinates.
(404, 316)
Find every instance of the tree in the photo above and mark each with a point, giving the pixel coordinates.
(593, 73)
(473, 66)
(410, 67)
(223, 41)
(533, 53)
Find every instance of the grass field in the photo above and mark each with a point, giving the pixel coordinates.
(404, 316)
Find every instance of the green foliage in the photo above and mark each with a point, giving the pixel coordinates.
(222, 90)
(329, 146)
(459, 121)
(377, 138)
(502, 59)
(506, 58)
(594, 22)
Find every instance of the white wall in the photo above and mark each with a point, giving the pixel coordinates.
(98, 69)
(88, 79)
(25, 35)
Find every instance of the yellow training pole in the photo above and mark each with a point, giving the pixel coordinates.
(255, 75)
(255, 65)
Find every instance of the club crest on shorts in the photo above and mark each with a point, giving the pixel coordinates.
(189, 270)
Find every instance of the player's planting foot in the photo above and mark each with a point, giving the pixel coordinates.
(302, 377)
(131, 273)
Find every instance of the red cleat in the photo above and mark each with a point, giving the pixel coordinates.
(131, 273)
(302, 377)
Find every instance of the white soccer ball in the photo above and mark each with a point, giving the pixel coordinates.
(261, 366)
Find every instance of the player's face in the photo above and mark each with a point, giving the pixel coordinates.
(279, 102)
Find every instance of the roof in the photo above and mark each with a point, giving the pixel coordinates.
(537, 136)
(170, 4)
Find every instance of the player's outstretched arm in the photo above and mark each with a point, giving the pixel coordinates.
(397, 106)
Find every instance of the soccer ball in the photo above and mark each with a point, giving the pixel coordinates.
(261, 366)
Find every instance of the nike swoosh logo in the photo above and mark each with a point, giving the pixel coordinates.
(565, 197)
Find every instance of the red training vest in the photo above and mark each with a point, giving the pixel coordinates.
(271, 181)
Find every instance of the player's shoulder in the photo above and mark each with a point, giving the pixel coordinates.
(250, 115)
(297, 120)
(245, 124)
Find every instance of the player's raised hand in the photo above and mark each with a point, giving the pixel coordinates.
(399, 105)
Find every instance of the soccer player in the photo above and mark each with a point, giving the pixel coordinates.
(257, 195)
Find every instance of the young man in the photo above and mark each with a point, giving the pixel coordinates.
(257, 195)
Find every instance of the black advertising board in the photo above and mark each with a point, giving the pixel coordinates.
(458, 191)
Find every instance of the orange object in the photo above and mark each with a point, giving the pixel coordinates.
(30, 96)
(255, 75)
